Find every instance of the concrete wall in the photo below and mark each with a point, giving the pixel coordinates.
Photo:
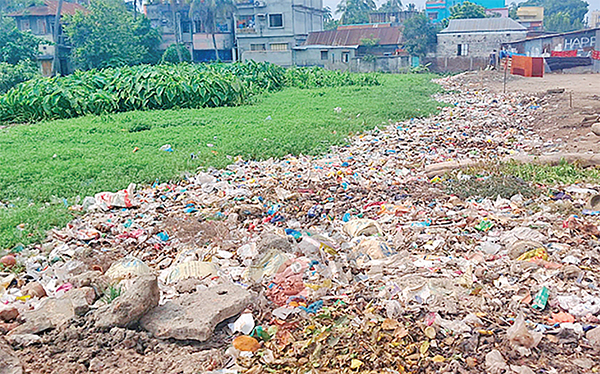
(480, 44)
(383, 64)
(283, 58)
(312, 57)
(457, 64)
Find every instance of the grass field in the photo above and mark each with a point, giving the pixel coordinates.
(42, 164)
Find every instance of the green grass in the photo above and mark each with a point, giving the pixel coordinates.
(44, 163)
(564, 173)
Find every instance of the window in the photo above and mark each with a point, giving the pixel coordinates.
(25, 25)
(257, 47)
(345, 57)
(433, 16)
(462, 50)
(41, 24)
(324, 55)
(279, 46)
(245, 23)
(275, 20)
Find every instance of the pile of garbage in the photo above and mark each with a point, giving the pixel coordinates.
(352, 261)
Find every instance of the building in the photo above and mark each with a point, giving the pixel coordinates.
(594, 19)
(192, 32)
(40, 21)
(369, 47)
(269, 30)
(392, 17)
(437, 10)
(532, 17)
(467, 44)
(578, 46)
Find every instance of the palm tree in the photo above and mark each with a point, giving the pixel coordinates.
(355, 11)
(173, 6)
(209, 12)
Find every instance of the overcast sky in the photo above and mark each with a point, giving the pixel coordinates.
(594, 4)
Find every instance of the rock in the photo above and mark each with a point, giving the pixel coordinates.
(24, 340)
(194, 316)
(8, 313)
(593, 336)
(81, 298)
(187, 285)
(596, 128)
(8, 261)
(34, 289)
(139, 297)
(50, 314)
(271, 241)
(9, 363)
(93, 279)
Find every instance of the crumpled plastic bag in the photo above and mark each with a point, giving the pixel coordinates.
(119, 199)
(495, 363)
(520, 336)
(127, 267)
(362, 226)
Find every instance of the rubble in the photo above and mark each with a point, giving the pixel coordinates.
(194, 316)
(9, 363)
(138, 297)
(370, 258)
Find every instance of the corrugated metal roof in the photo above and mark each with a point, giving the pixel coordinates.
(482, 24)
(352, 36)
(50, 8)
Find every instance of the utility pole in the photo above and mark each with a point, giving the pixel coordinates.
(56, 36)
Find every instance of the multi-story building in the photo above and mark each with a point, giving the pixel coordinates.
(39, 19)
(532, 17)
(437, 10)
(594, 19)
(268, 30)
(191, 32)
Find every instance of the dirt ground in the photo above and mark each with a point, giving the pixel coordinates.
(570, 104)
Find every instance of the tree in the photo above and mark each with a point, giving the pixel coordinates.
(355, 11)
(420, 35)
(512, 11)
(209, 12)
(15, 45)
(391, 6)
(110, 36)
(467, 10)
(561, 15)
(328, 22)
(18, 52)
(172, 56)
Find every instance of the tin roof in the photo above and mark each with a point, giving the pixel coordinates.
(348, 36)
(482, 24)
(50, 8)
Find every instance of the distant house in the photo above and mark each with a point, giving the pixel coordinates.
(467, 44)
(392, 17)
(40, 21)
(192, 32)
(355, 48)
(437, 10)
(268, 30)
(532, 17)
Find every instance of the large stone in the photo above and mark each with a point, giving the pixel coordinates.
(8, 313)
(81, 298)
(9, 363)
(593, 336)
(50, 314)
(273, 242)
(596, 128)
(141, 295)
(194, 316)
